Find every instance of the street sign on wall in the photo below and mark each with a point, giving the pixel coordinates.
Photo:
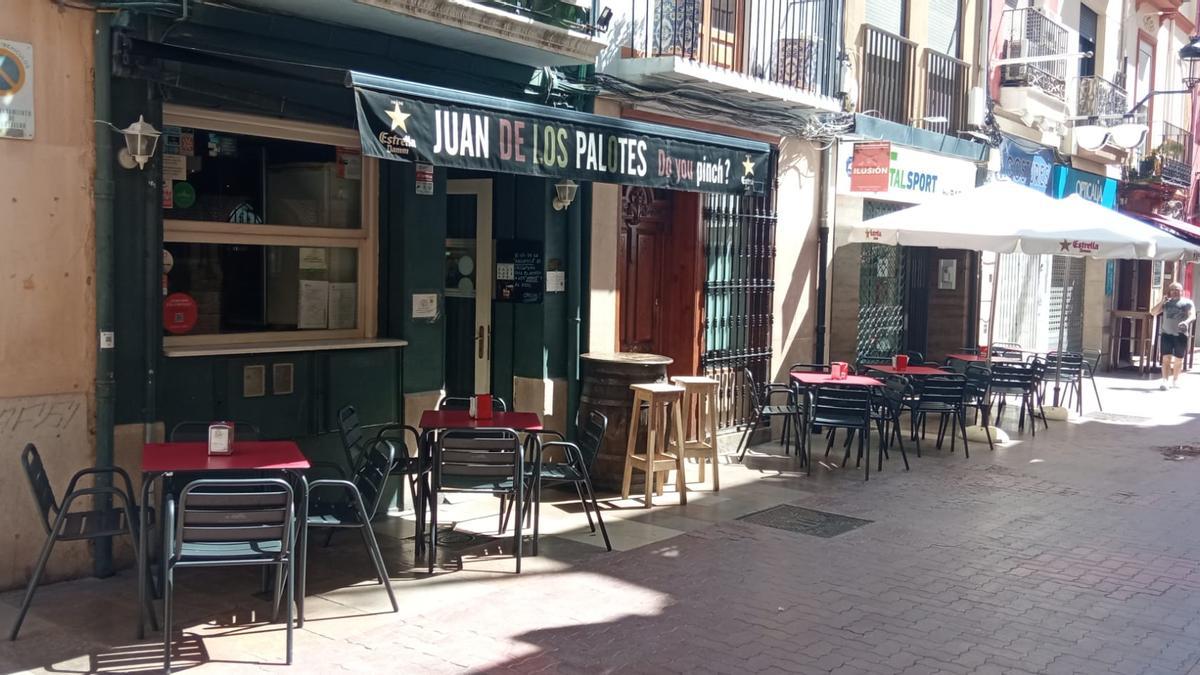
(16, 90)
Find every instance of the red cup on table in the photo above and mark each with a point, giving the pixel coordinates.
(900, 361)
(983, 351)
(481, 406)
(838, 370)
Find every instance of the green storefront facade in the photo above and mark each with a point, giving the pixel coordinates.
(270, 305)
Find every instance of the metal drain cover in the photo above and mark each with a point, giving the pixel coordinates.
(805, 521)
(1177, 453)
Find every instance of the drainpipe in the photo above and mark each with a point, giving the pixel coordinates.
(575, 217)
(825, 204)
(102, 563)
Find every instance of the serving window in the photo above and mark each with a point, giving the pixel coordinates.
(269, 230)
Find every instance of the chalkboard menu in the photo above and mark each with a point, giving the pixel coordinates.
(520, 270)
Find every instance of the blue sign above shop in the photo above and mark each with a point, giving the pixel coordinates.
(1026, 165)
(1090, 186)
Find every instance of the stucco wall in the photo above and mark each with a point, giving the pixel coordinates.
(46, 288)
(796, 243)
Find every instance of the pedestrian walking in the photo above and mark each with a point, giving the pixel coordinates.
(1178, 313)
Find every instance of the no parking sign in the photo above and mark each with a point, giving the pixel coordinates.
(16, 90)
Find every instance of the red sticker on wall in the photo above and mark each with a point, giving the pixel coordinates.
(179, 313)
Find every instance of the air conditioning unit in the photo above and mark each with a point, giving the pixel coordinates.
(976, 107)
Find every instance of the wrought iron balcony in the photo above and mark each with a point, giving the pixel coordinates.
(570, 14)
(1102, 100)
(1027, 32)
(1170, 162)
(794, 43)
(1175, 154)
(947, 81)
(888, 67)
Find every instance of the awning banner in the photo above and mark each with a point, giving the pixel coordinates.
(406, 128)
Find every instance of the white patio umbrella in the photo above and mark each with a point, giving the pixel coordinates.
(1004, 217)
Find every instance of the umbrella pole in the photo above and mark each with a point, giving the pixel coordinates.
(991, 331)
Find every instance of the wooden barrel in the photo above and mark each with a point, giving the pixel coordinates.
(605, 388)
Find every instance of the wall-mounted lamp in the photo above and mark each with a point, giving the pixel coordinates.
(604, 19)
(1190, 55)
(141, 140)
(565, 193)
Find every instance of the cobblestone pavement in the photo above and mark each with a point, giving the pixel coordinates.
(1077, 552)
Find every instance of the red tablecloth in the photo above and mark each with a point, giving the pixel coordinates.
(461, 419)
(246, 456)
(910, 370)
(824, 378)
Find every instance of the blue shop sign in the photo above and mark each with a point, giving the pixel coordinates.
(1024, 166)
(1090, 186)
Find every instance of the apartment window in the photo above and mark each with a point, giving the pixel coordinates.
(1089, 22)
(944, 17)
(269, 230)
(887, 15)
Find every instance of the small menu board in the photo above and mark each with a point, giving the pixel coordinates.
(520, 270)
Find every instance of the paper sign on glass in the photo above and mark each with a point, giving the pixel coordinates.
(314, 304)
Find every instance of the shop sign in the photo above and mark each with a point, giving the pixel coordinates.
(869, 166)
(913, 176)
(1026, 167)
(410, 129)
(16, 90)
(1090, 186)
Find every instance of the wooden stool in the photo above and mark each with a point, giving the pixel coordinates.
(664, 427)
(700, 423)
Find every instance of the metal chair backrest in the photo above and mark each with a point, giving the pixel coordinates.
(1015, 375)
(756, 395)
(894, 393)
(979, 379)
(1092, 358)
(195, 431)
(591, 436)
(496, 455)
(371, 477)
(39, 482)
(850, 403)
(942, 390)
(254, 510)
(809, 368)
(464, 403)
(1070, 364)
(915, 356)
(351, 432)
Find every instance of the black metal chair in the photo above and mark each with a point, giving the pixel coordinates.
(357, 444)
(1066, 368)
(1021, 380)
(942, 395)
(761, 401)
(978, 397)
(354, 507)
(228, 523)
(888, 406)
(802, 396)
(849, 408)
(194, 431)
(863, 365)
(489, 463)
(1091, 365)
(914, 356)
(576, 468)
(61, 523)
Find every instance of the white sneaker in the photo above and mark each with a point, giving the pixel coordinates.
(1174, 385)
(1162, 386)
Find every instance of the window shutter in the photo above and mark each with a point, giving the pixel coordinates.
(943, 26)
(887, 15)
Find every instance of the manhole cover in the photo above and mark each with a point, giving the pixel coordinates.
(1178, 453)
(805, 521)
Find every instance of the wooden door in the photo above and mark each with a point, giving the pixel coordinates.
(641, 256)
(723, 28)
